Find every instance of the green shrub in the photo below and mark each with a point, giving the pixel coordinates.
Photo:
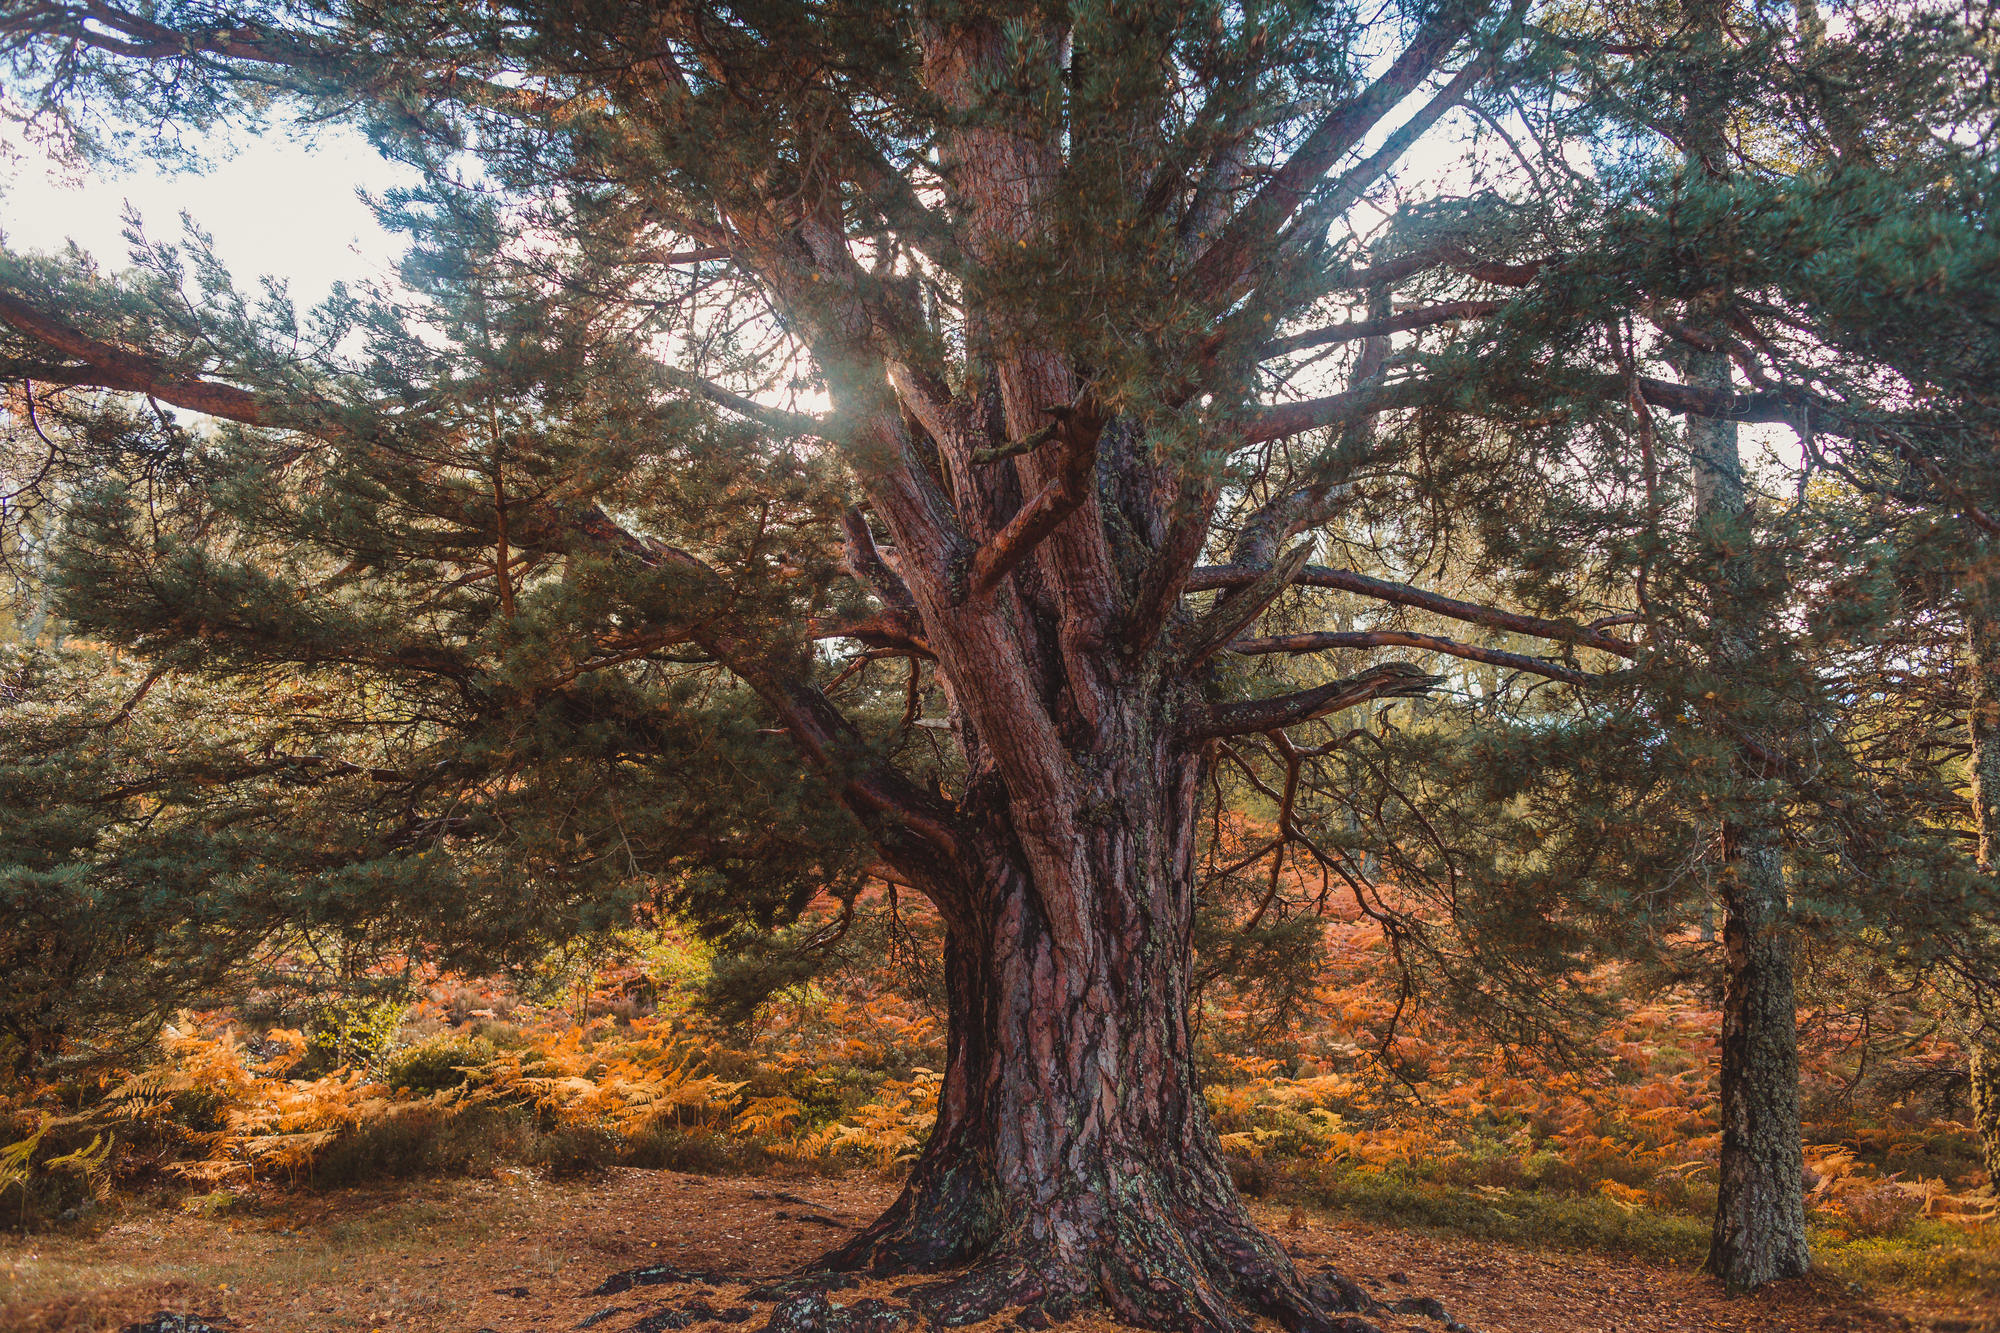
(667, 1147)
(353, 1030)
(437, 1064)
(1920, 1253)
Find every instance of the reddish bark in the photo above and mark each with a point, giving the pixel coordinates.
(1073, 1165)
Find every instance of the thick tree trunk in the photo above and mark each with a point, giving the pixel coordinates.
(1073, 1166)
(1759, 1232)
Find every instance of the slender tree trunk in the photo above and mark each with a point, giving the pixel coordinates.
(1760, 1224)
(1073, 1166)
(1982, 660)
(1760, 1229)
(1986, 1107)
(1760, 1215)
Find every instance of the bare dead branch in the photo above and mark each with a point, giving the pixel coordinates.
(1165, 577)
(1242, 604)
(1079, 426)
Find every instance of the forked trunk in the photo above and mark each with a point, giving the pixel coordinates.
(1073, 1165)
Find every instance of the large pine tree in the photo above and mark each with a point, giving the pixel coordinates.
(1043, 350)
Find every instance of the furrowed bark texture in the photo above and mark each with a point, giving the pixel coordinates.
(1760, 1228)
(1760, 1224)
(1986, 1108)
(1982, 665)
(1073, 1165)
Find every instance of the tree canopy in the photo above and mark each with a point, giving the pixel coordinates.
(818, 441)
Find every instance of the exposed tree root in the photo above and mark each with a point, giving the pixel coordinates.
(1151, 1265)
(942, 1219)
(166, 1321)
(652, 1275)
(1213, 1288)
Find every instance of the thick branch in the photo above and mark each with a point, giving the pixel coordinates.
(106, 366)
(1392, 271)
(120, 32)
(700, 255)
(1165, 577)
(1243, 604)
(1222, 266)
(1062, 496)
(774, 418)
(1027, 444)
(1403, 594)
(1391, 680)
(294, 770)
(1354, 182)
(1321, 642)
(1337, 409)
(865, 563)
(1789, 407)
(880, 794)
(873, 789)
(1785, 407)
(884, 629)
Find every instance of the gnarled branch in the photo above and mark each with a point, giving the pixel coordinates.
(1390, 680)
(1242, 604)
(884, 629)
(1395, 638)
(1403, 594)
(1079, 426)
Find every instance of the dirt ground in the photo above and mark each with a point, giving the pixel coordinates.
(516, 1254)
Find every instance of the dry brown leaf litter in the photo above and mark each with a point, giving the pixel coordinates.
(517, 1254)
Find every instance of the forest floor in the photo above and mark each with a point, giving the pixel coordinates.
(515, 1253)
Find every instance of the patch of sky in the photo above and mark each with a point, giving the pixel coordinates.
(278, 205)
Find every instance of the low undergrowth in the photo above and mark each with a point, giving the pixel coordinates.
(623, 1066)
(1917, 1252)
(226, 1109)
